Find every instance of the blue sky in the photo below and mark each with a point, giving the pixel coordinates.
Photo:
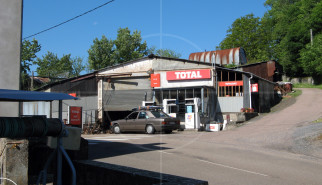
(185, 26)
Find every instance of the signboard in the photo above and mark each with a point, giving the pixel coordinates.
(75, 115)
(254, 88)
(155, 80)
(230, 83)
(189, 75)
(72, 94)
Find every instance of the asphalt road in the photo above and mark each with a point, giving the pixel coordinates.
(278, 148)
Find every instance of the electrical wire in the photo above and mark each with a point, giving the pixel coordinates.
(69, 19)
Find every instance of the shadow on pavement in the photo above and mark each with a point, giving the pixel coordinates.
(98, 149)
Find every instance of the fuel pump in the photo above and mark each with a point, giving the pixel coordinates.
(148, 103)
(192, 117)
(170, 107)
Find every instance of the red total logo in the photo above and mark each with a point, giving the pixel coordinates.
(189, 75)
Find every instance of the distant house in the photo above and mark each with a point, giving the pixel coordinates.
(269, 70)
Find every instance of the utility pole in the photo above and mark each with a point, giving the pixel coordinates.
(32, 82)
(311, 33)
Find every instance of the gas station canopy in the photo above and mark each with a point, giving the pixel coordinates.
(16, 95)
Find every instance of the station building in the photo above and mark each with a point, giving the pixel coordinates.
(197, 92)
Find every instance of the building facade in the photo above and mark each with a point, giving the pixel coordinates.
(196, 92)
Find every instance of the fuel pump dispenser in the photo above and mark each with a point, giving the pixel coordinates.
(192, 117)
(148, 103)
(170, 107)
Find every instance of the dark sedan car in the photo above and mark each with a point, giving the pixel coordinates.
(147, 120)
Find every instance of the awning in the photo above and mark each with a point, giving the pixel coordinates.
(16, 95)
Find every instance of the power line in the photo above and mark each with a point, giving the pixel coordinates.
(70, 19)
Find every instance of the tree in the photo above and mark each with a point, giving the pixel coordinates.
(311, 58)
(101, 54)
(125, 47)
(54, 67)
(291, 22)
(28, 54)
(129, 46)
(48, 65)
(247, 32)
(164, 52)
(77, 65)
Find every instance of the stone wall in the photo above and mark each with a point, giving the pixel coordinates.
(305, 80)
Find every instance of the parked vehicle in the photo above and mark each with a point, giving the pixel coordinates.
(149, 119)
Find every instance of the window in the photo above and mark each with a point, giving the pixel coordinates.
(134, 115)
(159, 114)
(230, 84)
(143, 115)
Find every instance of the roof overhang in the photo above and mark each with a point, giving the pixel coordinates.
(21, 96)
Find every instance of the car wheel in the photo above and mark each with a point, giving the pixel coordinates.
(149, 129)
(116, 129)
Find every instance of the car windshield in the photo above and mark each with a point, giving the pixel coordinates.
(160, 114)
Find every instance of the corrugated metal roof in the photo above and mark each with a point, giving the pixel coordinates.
(228, 56)
(16, 95)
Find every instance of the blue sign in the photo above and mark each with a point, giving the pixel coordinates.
(189, 109)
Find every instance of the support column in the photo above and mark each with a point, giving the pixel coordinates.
(100, 100)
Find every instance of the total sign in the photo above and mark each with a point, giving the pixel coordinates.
(189, 75)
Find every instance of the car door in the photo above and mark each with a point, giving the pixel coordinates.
(130, 121)
(141, 121)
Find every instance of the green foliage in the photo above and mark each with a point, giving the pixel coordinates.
(101, 54)
(291, 22)
(129, 46)
(107, 52)
(77, 66)
(230, 65)
(164, 52)
(248, 33)
(52, 66)
(28, 54)
(311, 57)
(302, 85)
(282, 34)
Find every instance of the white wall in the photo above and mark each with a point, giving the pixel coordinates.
(10, 39)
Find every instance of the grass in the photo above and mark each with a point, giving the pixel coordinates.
(318, 120)
(295, 93)
(300, 85)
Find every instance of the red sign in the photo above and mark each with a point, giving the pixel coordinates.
(155, 80)
(230, 83)
(73, 94)
(189, 75)
(254, 88)
(75, 115)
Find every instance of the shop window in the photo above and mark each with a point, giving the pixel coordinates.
(181, 95)
(158, 97)
(173, 94)
(189, 93)
(197, 93)
(173, 109)
(227, 91)
(166, 94)
(230, 83)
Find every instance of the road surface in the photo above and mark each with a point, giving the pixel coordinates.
(278, 148)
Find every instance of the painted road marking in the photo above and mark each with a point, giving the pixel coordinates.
(239, 169)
